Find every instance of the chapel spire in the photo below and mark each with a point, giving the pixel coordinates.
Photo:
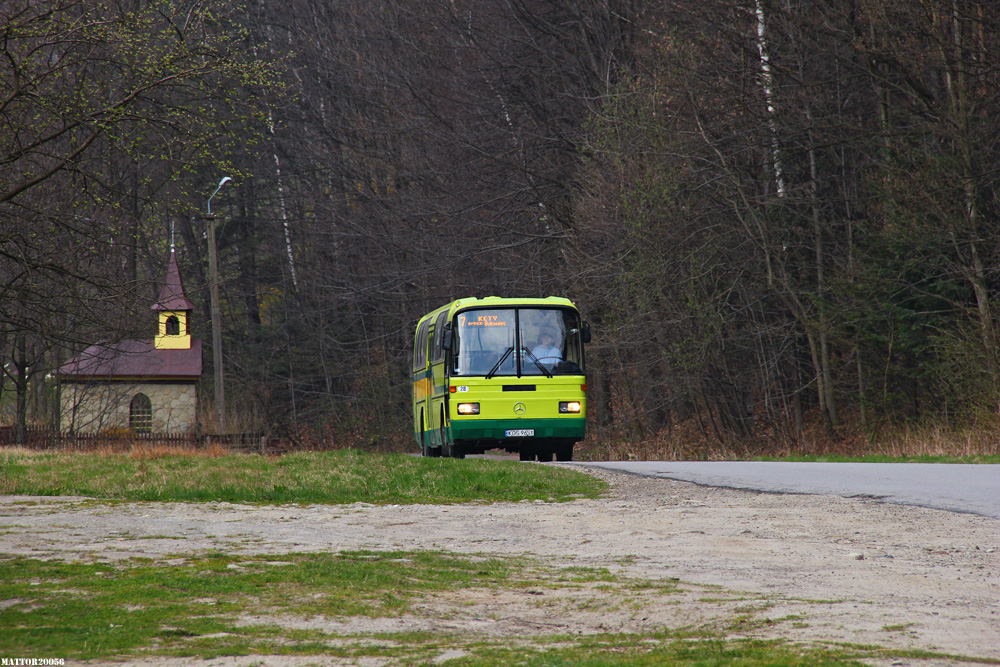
(174, 309)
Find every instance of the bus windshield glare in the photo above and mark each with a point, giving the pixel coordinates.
(517, 341)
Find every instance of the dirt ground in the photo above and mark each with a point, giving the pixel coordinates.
(851, 571)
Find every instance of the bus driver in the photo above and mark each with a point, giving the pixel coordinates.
(546, 352)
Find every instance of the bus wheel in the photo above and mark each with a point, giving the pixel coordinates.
(446, 447)
(564, 452)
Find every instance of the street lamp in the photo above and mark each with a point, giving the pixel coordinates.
(213, 280)
(225, 179)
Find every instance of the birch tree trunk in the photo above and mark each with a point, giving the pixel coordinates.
(767, 84)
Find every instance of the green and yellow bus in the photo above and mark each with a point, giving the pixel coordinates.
(498, 373)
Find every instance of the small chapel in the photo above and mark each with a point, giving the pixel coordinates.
(143, 386)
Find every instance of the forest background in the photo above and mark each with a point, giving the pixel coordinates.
(781, 217)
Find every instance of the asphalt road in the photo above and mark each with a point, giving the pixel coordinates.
(973, 489)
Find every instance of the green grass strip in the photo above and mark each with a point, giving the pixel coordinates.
(346, 476)
(90, 610)
(199, 606)
(662, 649)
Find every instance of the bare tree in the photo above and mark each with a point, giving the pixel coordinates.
(103, 109)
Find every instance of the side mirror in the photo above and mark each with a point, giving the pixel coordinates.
(446, 338)
(586, 332)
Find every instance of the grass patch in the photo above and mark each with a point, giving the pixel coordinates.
(215, 604)
(345, 476)
(902, 627)
(663, 649)
(93, 610)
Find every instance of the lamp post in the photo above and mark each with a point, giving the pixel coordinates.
(213, 280)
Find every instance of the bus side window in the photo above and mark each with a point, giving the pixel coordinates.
(437, 349)
(420, 346)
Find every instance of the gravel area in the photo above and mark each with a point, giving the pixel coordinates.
(852, 571)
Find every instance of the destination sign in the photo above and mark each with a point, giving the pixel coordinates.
(485, 321)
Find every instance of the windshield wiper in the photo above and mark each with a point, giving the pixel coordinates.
(538, 363)
(496, 366)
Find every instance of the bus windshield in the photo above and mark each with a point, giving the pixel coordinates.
(517, 342)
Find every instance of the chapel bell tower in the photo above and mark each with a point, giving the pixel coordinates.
(174, 310)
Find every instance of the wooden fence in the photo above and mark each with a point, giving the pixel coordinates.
(51, 439)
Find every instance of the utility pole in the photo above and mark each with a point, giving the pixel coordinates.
(213, 281)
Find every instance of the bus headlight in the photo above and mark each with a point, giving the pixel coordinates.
(468, 408)
(569, 407)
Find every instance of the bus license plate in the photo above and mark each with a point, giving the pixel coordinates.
(520, 433)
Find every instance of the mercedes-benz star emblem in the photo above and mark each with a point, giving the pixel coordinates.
(520, 408)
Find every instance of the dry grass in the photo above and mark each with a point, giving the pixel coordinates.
(141, 452)
(18, 450)
(137, 451)
(691, 441)
(936, 440)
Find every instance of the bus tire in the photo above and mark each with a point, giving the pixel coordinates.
(443, 435)
(564, 452)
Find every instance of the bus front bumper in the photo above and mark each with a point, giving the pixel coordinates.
(516, 429)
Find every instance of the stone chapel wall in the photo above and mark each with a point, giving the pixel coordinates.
(101, 407)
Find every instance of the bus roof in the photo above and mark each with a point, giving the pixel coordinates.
(500, 302)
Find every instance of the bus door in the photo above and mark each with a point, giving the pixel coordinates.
(437, 404)
(422, 387)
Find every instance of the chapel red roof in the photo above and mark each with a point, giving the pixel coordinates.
(133, 359)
